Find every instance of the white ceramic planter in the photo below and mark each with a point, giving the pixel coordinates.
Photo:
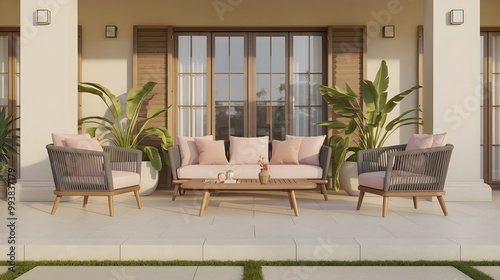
(149, 178)
(349, 178)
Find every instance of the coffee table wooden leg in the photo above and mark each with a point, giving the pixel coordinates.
(294, 202)
(204, 202)
(290, 200)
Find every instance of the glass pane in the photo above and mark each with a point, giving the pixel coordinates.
(221, 87)
(316, 116)
(481, 126)
(315, 96)
(221, 123)
(4, 54)
(264, 119)
(300, 54)
(278, 60)
(263, 87)
(221, 54)
(279, 125)
(495, 158)
(278, 86)
(199, 121)
(17, 50)
(481, 55)
(4, 89)
(237, 121)
(199, 89)
(17, 92)
(184, 122)
(237, 87)
(184, 89)
(184, 54)
(300, 89)
(495, 51)
(199, 54)
(237, 55)
(316, 54)
(481, 156)
(263, 54)
(481, 89)
(495, 87)
(495, 135)
(300, 121)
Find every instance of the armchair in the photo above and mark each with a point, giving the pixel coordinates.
(84, 172)
(395, 172)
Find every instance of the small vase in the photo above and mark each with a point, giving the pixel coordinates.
(264, 177)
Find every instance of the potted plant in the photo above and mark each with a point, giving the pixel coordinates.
(123, 128)
(9, 142)
(366, 119)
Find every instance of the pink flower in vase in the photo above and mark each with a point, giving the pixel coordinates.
(263, 164)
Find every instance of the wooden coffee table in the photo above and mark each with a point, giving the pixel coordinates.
(282, 185)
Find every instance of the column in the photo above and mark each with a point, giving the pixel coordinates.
(49, 97)
(452, 92)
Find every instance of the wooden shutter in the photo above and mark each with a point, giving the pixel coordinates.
(150, 64)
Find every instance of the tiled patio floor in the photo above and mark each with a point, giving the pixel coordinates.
(240, 226)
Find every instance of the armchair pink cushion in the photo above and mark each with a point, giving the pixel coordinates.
(86, 144)
(419, 141)
(59, 139)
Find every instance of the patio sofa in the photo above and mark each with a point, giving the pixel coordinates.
(204, 158)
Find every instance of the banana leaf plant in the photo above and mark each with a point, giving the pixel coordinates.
(9, 141)
(366, 119)
(123, 128)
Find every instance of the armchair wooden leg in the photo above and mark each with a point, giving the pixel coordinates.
(384, 206)
(56, 203)
(360, 199)
(111, 206)
(138, 199)
(85, 201)
(415, 204)
(443, 206)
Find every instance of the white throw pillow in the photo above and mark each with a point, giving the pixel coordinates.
(85, 144)
(247, 150)
(309, 148)
(188, 150)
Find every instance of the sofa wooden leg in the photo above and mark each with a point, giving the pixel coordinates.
(360, 199)
(174, 194)
(443, 206)
(323, 191)
(415, 204)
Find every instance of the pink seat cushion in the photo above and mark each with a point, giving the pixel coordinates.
(373, 180)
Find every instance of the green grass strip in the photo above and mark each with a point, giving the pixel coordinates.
(253, 269)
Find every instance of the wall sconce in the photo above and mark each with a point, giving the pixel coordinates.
(388, 31)
(457, 16)
(111, 31)
(42, 17)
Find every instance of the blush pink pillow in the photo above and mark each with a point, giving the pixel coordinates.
(211, 152)
(419, 141)
(286, 152)
(439, 140)
(84, 144)
(188, 150)
(59, 139)
(309, 148)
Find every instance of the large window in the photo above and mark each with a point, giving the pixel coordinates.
(260, 83)
(10, 75)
